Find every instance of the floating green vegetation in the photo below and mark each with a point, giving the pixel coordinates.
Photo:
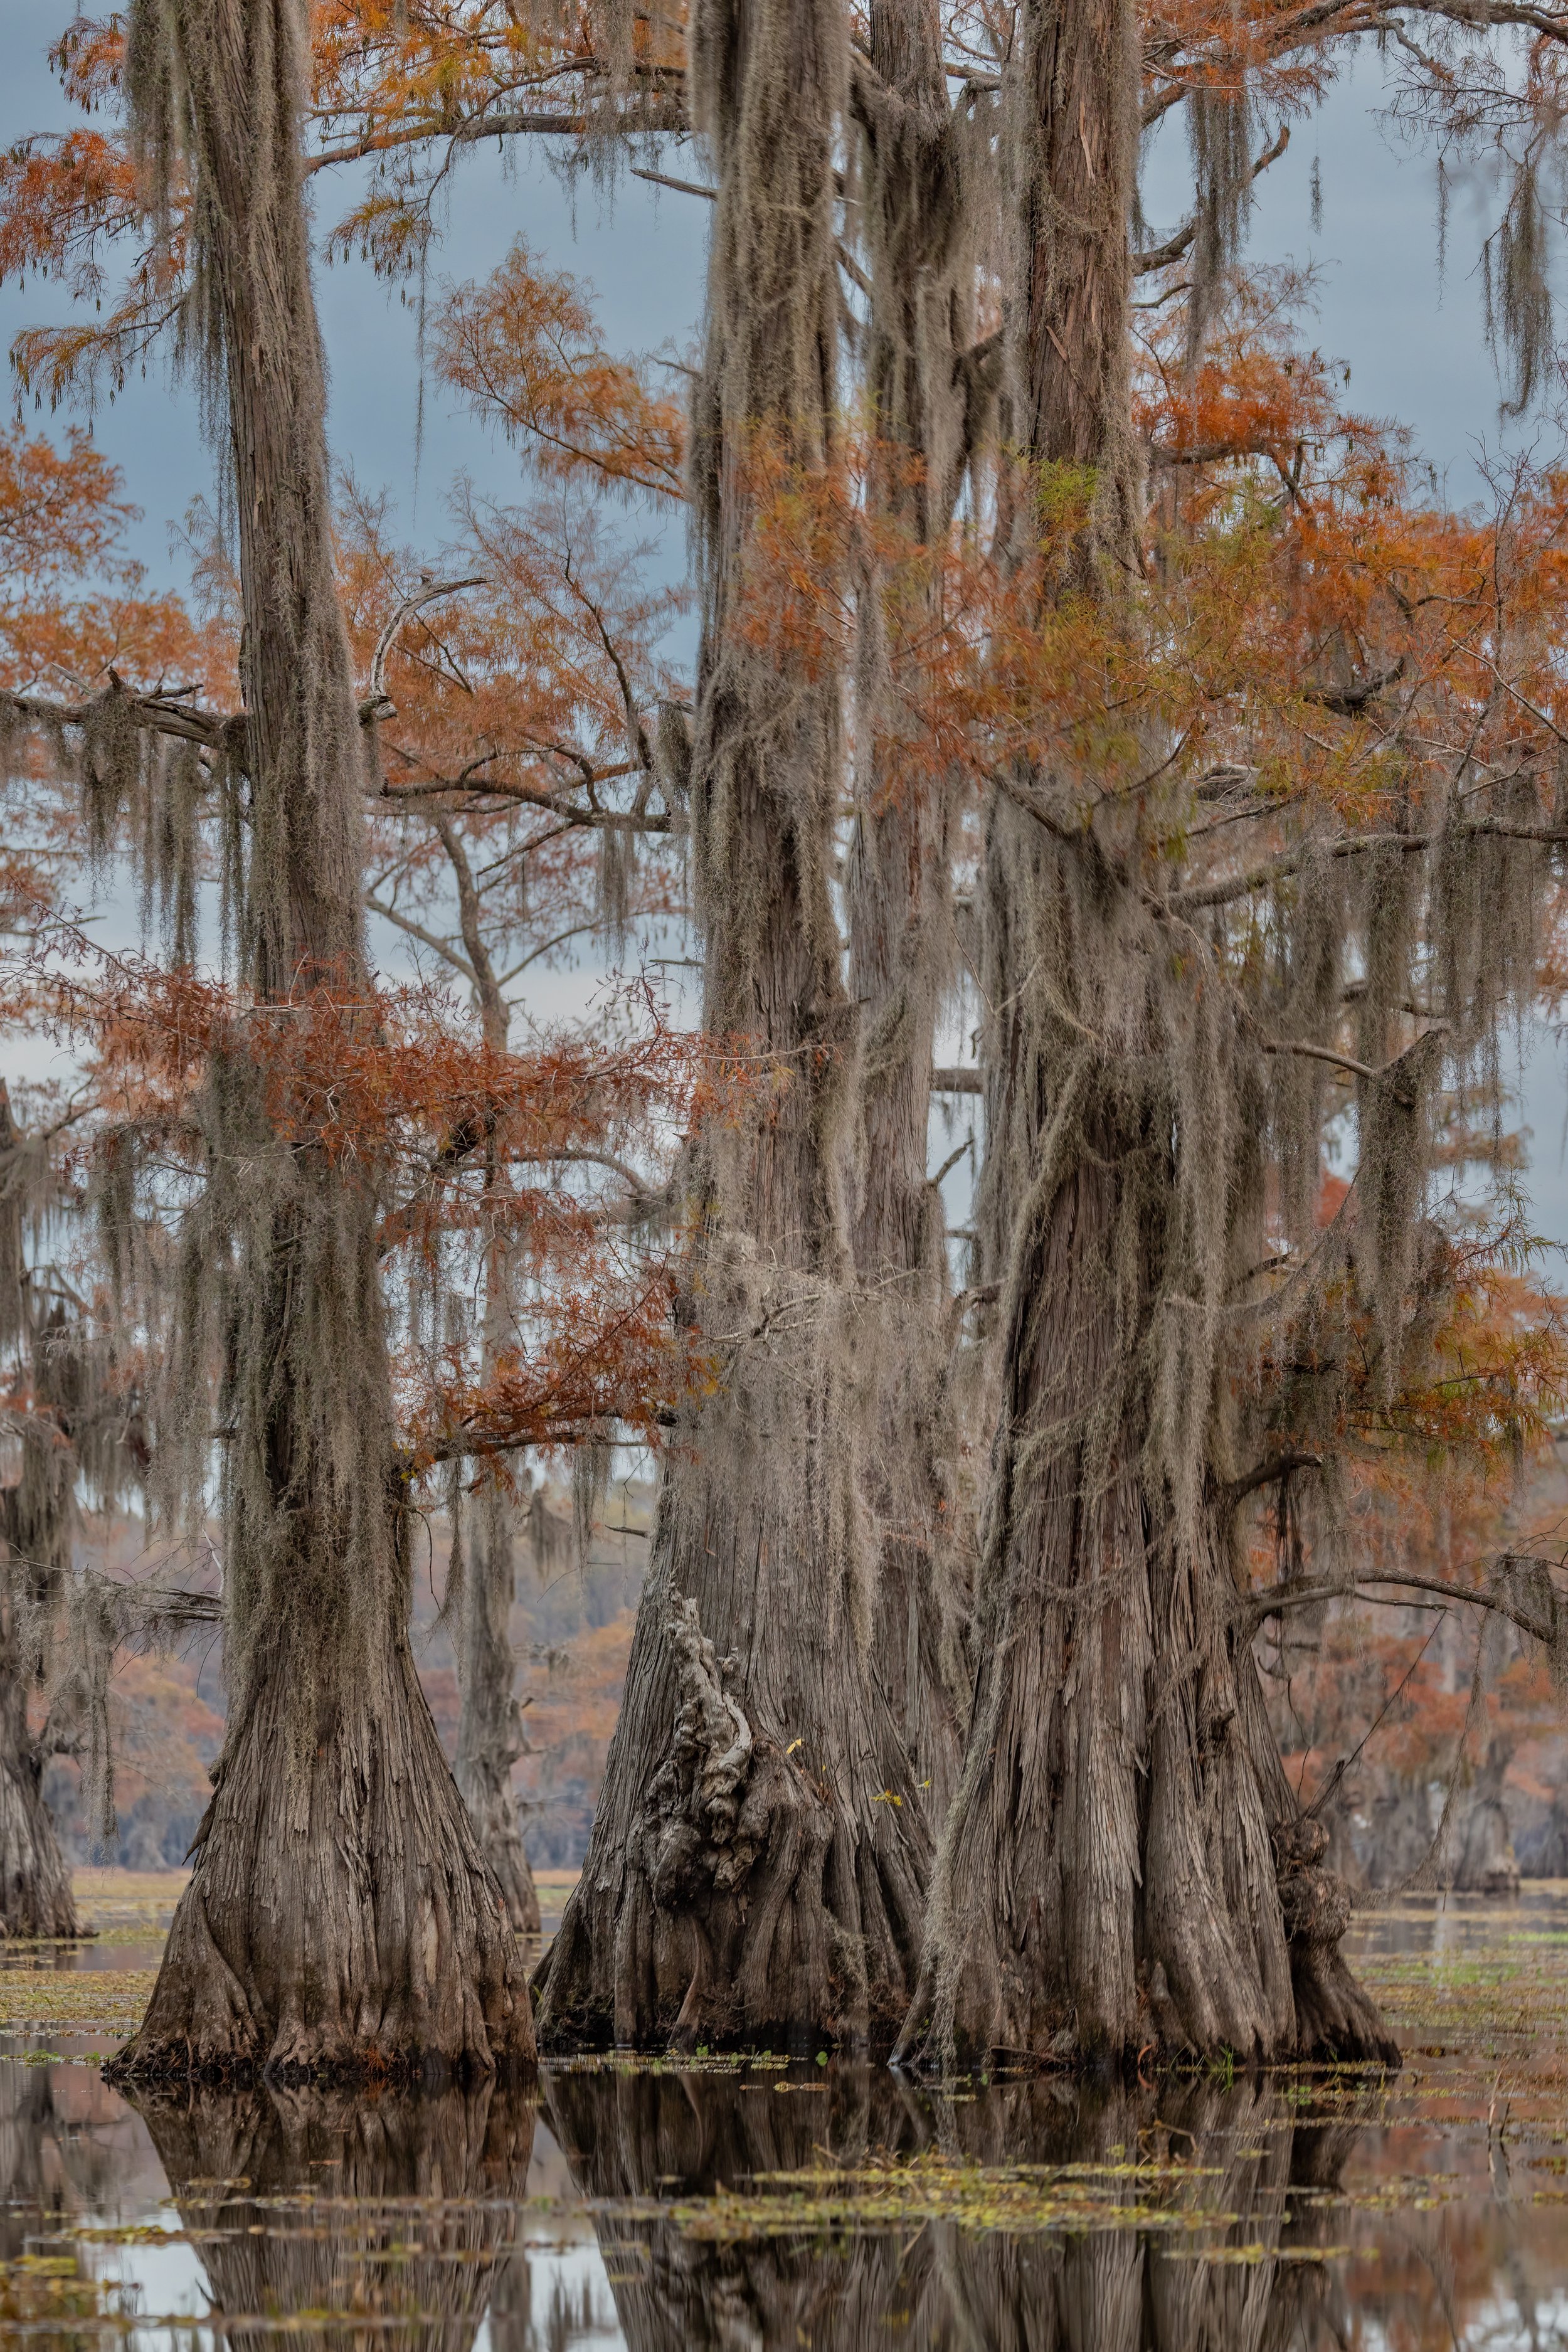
(701, 2061)
(1519, 1991)
(1247, 2256)
(52, 2296)
(830, 2201)
(110, 2001)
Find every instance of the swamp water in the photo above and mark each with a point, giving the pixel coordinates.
(766, 2204)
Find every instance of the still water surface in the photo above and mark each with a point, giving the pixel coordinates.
(763, 2204)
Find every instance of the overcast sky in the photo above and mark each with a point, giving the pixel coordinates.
(1412, 338)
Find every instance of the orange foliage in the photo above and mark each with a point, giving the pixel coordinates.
(394, 1084)
(521, 347)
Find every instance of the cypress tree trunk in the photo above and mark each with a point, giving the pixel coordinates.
(490, 1726)
(340, 1918)
(758, 1857)
(35, 1897)
(1486, 1863)
(490, 1723)
(38, 1512)
(898, 900)
(1123, 1866)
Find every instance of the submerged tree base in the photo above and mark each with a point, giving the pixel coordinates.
(341, 1924)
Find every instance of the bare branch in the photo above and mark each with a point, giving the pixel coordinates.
(378, 704)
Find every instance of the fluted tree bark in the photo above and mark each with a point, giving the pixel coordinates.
(919, 261)
(340, 1918)
(1123, 1866)
(37, 1519)
(490, 1721)
(759, 1854)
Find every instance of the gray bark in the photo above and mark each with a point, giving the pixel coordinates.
(897, 902)
(1122, 1868)
(340, 1918)
(35, 1898)
(757, 1861)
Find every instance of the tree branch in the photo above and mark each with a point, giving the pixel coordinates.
(378, 704)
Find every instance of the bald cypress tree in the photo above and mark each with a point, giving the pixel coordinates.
(757, 1859)
(340, 1916)
(1126, 1865)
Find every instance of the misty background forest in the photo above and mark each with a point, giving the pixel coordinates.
(782, 1092)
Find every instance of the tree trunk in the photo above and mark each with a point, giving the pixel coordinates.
(36, 1897)
(490, 1726)
(898, 901)
(760, 1848)
(1107, 1879)
(753, 1877)
(1124, 1868)
(490, 1722)
(37, 1516)
(1486, 1863)
(340, 1919)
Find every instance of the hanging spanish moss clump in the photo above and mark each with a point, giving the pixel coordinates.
(340, 1916)
(110, 767)
(1220, 130)
(592, 1460)
(625, 61)
(63, 1431)
(615, 875)
(1517, 289)
(144, 792)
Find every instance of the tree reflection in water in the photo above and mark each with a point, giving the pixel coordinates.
(1194, 2215)
(61, 2157)
(1243, 2282)
(386, 2221)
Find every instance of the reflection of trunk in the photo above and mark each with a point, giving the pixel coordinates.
(1121, 1866)
(340, 2220)
(33, 2174)
(1123, 2291)
(657, 2136)
(760, 1847)
(339, 1917)
(1237, 2154)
